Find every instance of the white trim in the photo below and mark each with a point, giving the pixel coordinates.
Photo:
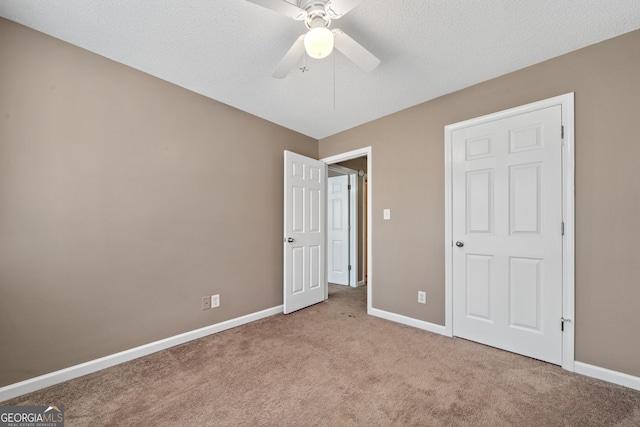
(354, 154)
(409, 321)
(362, 261)
(608, 375)
(568, 249)
(353, 231)
(349, 155)
(448, 233)
(568, 179)
(56, 377)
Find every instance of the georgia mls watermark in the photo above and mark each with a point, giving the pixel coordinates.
(31, 416)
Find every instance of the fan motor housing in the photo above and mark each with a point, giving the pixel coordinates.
(317, 19)
(310, 5)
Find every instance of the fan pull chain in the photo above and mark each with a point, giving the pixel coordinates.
(334, 80)
(304, 63)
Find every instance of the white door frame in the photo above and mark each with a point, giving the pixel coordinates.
(354, 154)
(353, 221)
(568, 209)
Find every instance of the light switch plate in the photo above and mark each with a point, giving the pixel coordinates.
(386, 214)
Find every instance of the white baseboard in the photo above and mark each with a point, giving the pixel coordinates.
(420, 324)
(52, 378)
(607, 375)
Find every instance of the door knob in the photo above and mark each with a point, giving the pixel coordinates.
(290, 239)
(459, 243)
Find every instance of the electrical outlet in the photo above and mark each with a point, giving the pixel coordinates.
(215, 301)
(206, 303)
(422, 297)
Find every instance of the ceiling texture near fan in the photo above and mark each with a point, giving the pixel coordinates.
(398, 53)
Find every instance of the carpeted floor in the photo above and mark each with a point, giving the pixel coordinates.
(332, 365)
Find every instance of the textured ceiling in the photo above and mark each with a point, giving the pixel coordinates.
(228, 49)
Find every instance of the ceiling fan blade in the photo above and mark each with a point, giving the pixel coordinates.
(354, 51)
(282, 7)
(290, 59)
(337, 8)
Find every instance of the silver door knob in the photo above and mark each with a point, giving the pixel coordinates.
(459, 243)
(290, 239)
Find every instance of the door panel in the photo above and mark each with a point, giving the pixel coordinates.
(478, 287)
(525, 287)
(304, 236)
(525, 211)
(480, 201)
(338, 230)
(507, 214)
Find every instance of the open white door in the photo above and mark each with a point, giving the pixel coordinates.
(338, 230)
(304, 233)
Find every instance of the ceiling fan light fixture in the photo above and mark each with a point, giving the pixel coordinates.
(318, 42)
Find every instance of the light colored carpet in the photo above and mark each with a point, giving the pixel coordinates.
(332, 365)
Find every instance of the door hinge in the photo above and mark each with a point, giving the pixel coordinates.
(562, 320)
(562, 132)
(349, 268)
(563, 228)
(349, 187)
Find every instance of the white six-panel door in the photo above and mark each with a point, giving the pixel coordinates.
(338, 230)
(304, 233)
(507, 232)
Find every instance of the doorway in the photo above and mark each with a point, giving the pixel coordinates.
(346, 222)
(356, 161)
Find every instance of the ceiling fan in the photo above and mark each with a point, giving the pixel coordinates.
(319, 41)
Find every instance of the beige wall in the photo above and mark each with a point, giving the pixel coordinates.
(408, 178)
(123, 200)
